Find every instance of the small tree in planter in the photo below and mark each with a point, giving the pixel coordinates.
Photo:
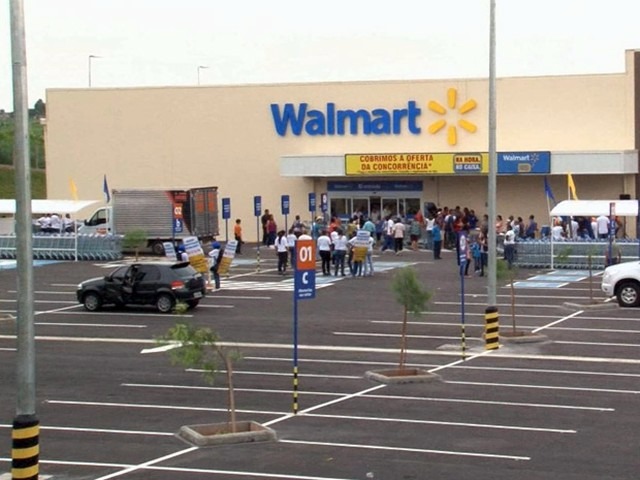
(413, 298)
(199, 348)
(410, 294)
(504, 272)
(134, 240)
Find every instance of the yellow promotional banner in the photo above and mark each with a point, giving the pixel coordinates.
(359, 254)
(416, 163)
(225, 265)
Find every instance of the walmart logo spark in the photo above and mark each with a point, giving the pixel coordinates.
(452, 129)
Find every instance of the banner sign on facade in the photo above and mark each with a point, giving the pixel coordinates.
(416, 163)
(369, 186)
(524, 162)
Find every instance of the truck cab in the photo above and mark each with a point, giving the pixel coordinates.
(99, 222)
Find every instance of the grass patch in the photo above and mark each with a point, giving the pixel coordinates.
(8, 183)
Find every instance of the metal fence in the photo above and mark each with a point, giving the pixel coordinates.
(571, 254)
(66, 246)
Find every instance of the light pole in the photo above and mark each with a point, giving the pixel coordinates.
(492, 263)
(200, 67)
(91, 57)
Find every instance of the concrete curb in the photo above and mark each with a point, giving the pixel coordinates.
(523, 338)
(409, 375)
(590, 306)
(211, 434)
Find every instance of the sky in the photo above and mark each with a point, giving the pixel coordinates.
(141, 43)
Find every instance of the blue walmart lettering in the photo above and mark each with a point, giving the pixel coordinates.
(332, 121)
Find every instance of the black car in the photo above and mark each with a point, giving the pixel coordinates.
(161, 284)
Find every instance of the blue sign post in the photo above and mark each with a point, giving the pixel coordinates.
(284, 204)
(463, 248)
(226, 215)
(304, 288)
(257, 211)
(312, 211)
(324, 202)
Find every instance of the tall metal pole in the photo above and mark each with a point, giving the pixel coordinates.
(25, 433)
(200, 67)
(491, 193)
(91, 57)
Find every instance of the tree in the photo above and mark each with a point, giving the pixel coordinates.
(40, 109)
(413, 298)
(504, 272)
(199, 348)
(134, 240)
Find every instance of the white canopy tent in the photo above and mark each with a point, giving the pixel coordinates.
(8, 206)
(594, 208)
(40, 207)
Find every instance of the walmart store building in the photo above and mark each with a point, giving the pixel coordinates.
(373, 146)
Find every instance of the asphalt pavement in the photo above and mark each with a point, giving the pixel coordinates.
(110, 401)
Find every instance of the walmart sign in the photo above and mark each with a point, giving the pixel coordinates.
(300, 119)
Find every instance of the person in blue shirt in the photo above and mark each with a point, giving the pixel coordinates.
(436, 235)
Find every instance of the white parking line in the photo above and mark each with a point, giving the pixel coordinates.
(158, 407)
(574, 314)
(546, 387)
(526, 327)
(376, 396)
(101, 430)
(462, 366)
(598, 344)
(448, 424)
(99, 325)
(412, 450)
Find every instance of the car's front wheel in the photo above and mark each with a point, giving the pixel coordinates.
(92, 301)
(628, 294)
(165, 303)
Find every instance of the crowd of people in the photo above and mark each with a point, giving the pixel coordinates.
(54, 223)
(437, 230)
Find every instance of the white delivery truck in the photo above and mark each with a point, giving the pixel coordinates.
(164, 215)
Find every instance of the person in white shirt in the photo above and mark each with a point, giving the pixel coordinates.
(340, 246)
(388, 235)
(291, 245)
(574, 229)
(45, 222)
(557, 232)
(368, 261)
(282, 250)
(510, 245)
(602, 223)
(430, 220)
(323, 244)
(55, 223)
(398, 235)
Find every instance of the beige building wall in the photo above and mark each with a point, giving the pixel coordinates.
(225, 136)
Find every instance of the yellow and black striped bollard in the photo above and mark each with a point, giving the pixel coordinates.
(25, 451)
(491, 329)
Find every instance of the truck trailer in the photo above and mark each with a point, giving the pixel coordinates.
(164, 215)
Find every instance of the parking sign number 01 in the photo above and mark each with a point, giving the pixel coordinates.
(305, 254)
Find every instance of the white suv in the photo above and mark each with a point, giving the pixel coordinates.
(623, 281)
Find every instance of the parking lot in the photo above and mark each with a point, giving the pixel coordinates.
(110, 402)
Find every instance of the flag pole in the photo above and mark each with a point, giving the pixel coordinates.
(550, 219)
